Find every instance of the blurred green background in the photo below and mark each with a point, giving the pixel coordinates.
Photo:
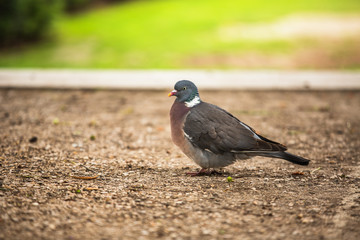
(175, 34)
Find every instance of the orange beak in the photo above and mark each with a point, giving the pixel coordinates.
(172, 93)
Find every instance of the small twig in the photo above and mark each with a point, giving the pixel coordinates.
(317, 169)
(26, 176)
(90, 189)
(85, 178)
(88, 168)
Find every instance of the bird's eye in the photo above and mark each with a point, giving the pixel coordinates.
(184, 88)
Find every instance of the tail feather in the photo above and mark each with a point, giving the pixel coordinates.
(287, 156)
(290, 157)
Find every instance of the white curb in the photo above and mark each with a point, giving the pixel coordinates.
(165, 79)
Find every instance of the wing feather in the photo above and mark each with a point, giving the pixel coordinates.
(210, 127)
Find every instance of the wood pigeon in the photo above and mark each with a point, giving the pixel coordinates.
(213, 137)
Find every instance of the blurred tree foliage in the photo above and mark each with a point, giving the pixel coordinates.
(76, 5)
(23, 21)
(81, 5)
(26, 20)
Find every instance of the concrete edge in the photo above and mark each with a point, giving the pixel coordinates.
(165, 79)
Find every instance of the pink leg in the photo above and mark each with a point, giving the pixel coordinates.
(202, 172)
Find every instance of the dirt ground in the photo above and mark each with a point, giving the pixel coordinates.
(50, 141)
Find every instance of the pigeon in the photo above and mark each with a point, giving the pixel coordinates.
(213, 137)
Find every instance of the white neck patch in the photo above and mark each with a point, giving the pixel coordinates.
(195, 101)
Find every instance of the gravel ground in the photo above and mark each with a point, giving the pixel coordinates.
(101, 165)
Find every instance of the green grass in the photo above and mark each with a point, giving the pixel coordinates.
(164, 34)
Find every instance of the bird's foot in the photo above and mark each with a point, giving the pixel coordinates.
(203, 172)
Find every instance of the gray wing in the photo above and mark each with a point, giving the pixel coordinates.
(210, 127)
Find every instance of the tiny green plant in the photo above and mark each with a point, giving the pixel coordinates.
(56, 121)
(229, 179)
(92, 123)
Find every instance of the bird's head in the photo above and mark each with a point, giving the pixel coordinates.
(186, 92)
